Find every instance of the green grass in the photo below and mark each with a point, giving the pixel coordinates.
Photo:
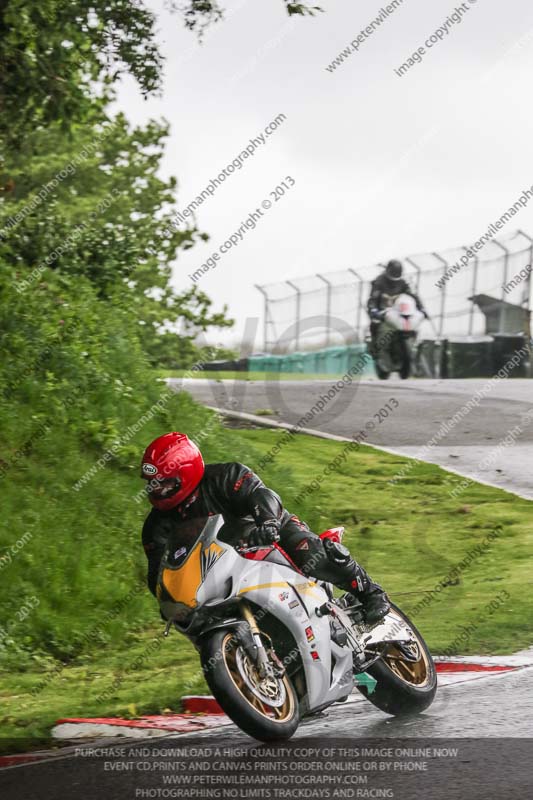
(77, 557)
(410, 536)
(244, 376)
(154, 685)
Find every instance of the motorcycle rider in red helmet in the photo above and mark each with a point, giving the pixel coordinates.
(180, 486)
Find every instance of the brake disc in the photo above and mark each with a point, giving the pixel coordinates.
(269, 690)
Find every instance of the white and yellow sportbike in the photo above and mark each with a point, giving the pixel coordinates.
(276, 646)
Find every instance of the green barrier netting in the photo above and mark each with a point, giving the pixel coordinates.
(328, 361)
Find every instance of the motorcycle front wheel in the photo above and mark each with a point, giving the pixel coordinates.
(406, 678)
(382, 374)
(407, 361)
(266, 709)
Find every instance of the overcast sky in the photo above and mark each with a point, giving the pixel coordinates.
(383, 165)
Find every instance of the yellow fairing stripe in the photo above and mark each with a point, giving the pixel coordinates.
(304, 588)
(183, 583)
(307, 588)
(263, 586)
(308, 591)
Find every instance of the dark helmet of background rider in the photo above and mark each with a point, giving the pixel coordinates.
(393, 270)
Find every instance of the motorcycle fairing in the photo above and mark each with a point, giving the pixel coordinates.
(181, 575)
(293, 600)
(214, 572)
(402, 314)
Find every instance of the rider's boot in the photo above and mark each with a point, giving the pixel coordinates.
(352, 578)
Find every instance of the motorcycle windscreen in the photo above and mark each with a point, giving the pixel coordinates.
(184, 565)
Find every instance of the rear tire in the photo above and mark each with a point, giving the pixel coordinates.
(403, 687)
(231, 677)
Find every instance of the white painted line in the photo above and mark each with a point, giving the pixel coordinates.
(522, 659)
(92, 730)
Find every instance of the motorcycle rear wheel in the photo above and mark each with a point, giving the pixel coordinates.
(267, 710)
(404, 685)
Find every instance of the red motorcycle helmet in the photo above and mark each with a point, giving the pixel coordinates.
(173, 467)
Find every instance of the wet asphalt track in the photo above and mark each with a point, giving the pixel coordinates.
(423, 405)
(500, 705)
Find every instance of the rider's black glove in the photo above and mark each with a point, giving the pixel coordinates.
(376, 314)
(264, 534)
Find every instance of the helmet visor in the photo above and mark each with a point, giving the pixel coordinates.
(162, 488)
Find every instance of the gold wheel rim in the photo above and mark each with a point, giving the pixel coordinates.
(278, 714)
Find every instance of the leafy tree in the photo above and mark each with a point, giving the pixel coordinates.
(90, 203)
(55, 53)
(106, 218)
(58, 56)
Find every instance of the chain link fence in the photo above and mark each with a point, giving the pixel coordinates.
(330, 308)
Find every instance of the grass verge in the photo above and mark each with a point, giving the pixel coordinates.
(246, 376)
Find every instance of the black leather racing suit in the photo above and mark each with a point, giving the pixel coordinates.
(245, 503)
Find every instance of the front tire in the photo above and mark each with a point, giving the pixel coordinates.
(266, 710)
(407, 361)
(382, 374)
(403, 686)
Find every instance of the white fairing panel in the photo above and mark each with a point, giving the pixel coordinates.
(293, 599)
(403, 315)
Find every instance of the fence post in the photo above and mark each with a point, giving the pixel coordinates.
(443, 295)
(474, 292)
(359, 303)
(528, 279)
(504, 282)
(298, 307)
(505, 265)
(528, 316)
(328, 306)
(265, 312)
(418, 271)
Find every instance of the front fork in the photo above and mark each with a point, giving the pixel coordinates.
(250, 638)
(259, 655)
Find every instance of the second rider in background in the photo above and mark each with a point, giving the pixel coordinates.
(387, 285)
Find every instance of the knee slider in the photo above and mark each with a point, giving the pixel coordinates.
(337, 553)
